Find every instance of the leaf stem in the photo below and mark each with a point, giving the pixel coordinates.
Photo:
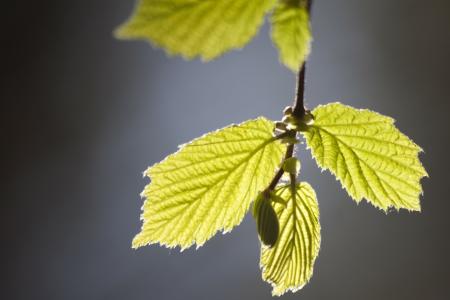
(298, 111)
(280, 172)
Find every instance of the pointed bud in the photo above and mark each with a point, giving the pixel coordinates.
(280, 126)
(291, 165)
(266, 220)
(287, 110)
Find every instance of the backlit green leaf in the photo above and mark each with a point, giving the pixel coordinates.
(291, 32)
(289, 264)
(191, 28)
(208, 185)
(368, 154)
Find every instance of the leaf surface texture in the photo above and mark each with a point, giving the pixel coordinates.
(289, 264)
(291, 32)
(208, 185)
(192, 28)
(368, 154)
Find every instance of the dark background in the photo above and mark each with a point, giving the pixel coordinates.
(83, 115)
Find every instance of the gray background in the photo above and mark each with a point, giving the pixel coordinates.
(83, 115)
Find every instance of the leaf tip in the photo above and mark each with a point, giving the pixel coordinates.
(123, 32)
(118, 33)
(137, 242)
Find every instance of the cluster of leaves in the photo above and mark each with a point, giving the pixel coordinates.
(209, 28)
(209, 184)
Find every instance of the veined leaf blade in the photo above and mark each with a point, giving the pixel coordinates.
(291, 33)
(196, 28)
(368, 155)
(208, 185)
(289, 264)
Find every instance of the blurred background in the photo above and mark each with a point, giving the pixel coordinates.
(83, 115)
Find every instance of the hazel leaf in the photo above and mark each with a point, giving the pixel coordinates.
(208, 185)
(368, 155)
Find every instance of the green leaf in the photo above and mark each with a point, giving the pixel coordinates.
(191, 28)
(208, 185)
(289, 264)
(291, 32)
(368, 154)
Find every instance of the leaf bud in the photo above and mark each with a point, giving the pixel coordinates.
(287, 110)
(291, 165)
(266, 220)
(280, 126)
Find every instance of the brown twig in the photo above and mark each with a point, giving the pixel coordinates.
(298, 111)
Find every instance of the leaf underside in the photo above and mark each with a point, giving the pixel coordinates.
(291, 33)
(368, 154)
(289, 264)
(208, 185)
(196, 28)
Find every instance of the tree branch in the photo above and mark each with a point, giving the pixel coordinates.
(298, 111)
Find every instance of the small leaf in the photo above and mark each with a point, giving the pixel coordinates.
(208, 185)
(192, 28)
(291, 32)
(368, 154)
(289, 264)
